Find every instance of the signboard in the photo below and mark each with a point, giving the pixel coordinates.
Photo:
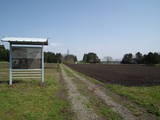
(26, 57)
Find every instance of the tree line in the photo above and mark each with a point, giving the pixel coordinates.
(50, 57)
(139, 58)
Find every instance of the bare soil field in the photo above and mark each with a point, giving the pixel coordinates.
(127, 75)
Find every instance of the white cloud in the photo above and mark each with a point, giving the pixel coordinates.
(55, 44)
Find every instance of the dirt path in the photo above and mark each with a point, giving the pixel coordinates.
(125, 113)
(78, 101)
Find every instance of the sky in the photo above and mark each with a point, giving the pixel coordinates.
(106, 27)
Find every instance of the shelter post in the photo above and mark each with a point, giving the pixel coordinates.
(10, 65)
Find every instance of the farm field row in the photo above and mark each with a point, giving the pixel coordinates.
(138, 88)
(127, 75)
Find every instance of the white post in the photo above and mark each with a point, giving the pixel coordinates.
(10, 65)
(42, 65)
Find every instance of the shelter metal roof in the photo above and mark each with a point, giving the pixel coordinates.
(26, 41)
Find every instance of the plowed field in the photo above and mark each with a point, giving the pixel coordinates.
(127, 75)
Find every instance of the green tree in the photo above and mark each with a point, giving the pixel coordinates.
(69, 59)
(49, 57)
(127, 59)
(85, 58)
(58, 58)
(4, 53)
(152, 58)
(75, 58)
(91, 58)
(139, 58)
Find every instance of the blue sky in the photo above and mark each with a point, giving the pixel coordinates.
(107, 27)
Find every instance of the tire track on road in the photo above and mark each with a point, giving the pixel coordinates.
(78, 101)
(125, 113)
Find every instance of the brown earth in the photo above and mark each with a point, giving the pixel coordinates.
(127, 75)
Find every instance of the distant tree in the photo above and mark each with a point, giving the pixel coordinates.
(51, 57)
(91, 58)
(127, 59)
(58, 58)
(2, 47)
(152, 58)
(69, 59)
(85, 58)
(139, 58)
(156, 58)
(75, 59)
(4, 53)
(148, 58)
(45, 57)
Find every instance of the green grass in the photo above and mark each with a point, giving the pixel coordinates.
(30, 100)
(157, 65)
(145, 97)
(4, 70)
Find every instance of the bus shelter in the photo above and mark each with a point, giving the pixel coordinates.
(26, 59)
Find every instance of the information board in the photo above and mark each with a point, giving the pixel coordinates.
(26, 57)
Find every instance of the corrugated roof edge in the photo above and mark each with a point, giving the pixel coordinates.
(28, 41)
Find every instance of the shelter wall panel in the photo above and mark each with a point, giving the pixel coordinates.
(26, 57)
